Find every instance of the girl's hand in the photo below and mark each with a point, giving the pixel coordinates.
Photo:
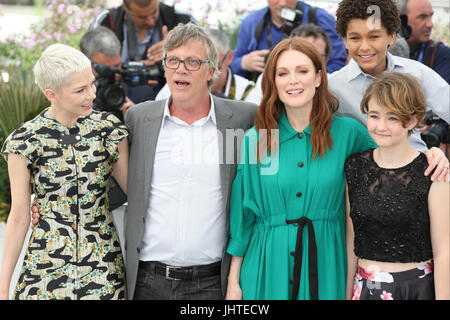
(436, 159)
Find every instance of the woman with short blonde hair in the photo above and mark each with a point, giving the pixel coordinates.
(65, 157)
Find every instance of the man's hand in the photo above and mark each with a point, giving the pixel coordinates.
(155, 52)
(255, 60)
(35, 214)
(436, 159)
(126, 105)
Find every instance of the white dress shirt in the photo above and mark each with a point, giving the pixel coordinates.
(186, 220)
(350, 83)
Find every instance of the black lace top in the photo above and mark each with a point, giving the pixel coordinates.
(389, 209)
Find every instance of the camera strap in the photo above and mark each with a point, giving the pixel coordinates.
(259, 29)
(131, 39)
(269, 37)
(428, 52)
(247, 90)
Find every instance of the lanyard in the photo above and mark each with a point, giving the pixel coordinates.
(133, 41)
(232, 91)
(422, 50)
(269, 37)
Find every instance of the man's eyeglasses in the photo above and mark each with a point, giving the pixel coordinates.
(190, 64)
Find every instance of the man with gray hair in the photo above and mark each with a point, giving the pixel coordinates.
(101, 46)
(180, 176)
(228, 84)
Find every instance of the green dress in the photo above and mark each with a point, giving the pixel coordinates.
(288, 187)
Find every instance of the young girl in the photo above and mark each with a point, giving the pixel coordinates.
(65, 156)
(397, 219)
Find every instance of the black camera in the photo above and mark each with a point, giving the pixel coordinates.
(438, 131)
(133, 73)
(292, 18)
(110, 94)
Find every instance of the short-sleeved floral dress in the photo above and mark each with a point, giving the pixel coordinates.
(74, 251)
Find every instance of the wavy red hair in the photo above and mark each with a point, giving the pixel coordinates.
(270, 108)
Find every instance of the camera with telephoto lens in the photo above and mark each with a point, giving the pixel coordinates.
(438, 131)
(136, 73)
(292, 18)
(133, 73)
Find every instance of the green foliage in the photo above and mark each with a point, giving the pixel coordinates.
(64, 22)
(20, 101)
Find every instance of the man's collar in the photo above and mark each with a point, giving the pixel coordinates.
(355, 70)
(211, 115)
(393, 61)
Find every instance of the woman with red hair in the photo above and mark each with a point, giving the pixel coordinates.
(291, 176)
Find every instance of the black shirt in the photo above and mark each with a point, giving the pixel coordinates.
(389, 209)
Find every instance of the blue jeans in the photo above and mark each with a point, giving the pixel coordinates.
(153, 286)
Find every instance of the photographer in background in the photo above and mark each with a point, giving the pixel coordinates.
(141, 26)
(433, 54)
(101, 46)
(264, 28)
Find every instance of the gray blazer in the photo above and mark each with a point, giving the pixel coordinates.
(144, 122)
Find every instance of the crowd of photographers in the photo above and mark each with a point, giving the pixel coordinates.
(125, 47)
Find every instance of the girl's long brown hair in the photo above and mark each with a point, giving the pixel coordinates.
(269, 110)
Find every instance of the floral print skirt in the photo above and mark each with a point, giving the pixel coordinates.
(414, 284)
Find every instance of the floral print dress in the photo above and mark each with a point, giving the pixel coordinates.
(74, 251)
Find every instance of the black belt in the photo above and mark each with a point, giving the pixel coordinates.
(182, 273)
(312, 259)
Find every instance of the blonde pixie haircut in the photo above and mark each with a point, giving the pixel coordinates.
(56, 64)
(401, 94)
